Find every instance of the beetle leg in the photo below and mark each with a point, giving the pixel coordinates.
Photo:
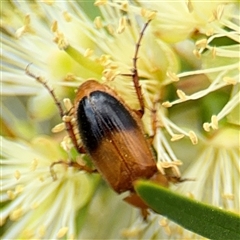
(154, 121)
(175, 180)
(70, 164)
(134, 200)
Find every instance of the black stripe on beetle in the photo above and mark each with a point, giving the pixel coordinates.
(99, 115)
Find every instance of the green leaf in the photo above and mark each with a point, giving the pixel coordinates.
(205, 220)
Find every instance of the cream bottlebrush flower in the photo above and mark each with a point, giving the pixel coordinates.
(73, 56)
(66, 48)
(35, 206)
(187, 17)
(207, 101)
(108, 48)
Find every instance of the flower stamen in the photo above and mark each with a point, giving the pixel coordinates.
(62, 232)
(17, 174)
(16, 214)
(26, 28)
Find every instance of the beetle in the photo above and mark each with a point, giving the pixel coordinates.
(112, 135)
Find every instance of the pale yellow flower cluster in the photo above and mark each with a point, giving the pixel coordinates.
(188, 65)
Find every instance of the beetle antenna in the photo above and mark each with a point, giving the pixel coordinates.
(68, 124)
(50, 90)
(134, 74)
(135, 71)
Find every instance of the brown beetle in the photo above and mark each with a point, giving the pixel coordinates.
(112, 135)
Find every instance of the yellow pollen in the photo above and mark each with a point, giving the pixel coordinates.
(122, 24)
(197, 53)
(176, 137)
(49, 2)
(42, 230)
(214, 122)
(210, 32)
(124, 6)
(58, 128)
(230, 80)
(211, 18)
(109, 75)
(164, 223)
(27, 20)
(228, 196)
(67, 16)
(62, 232)
(219, 11)
(152, 15)
(27, 234)
(61, 41)
(160, 168)
(66, 118)
(148, 14)
(16, 214)
(88, 52)
(54, 26)
(11, 194)
(34, 205)
(104, 59)
(26, 28)
(173, 165)
(17, 174)
(59, 37)
(190, 6)
(41, 179)
(66, 143)
(98, 22)
(180, 231)
(193, 137)
(80, 161)
(110, 29)
(67, 139)
(69, 77)
(173, 76)
(176, 171)
(214, 52)
(190, 195)
(67, 104)
(65, 146)
(206, 127)
(34, 164)
(168, 230)
(113, 65)
(201, 43)
(71, 237)
(130, 233)
(166, 104)
(19, 189)
(100, 2)
(182, 95)
(107, 64)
